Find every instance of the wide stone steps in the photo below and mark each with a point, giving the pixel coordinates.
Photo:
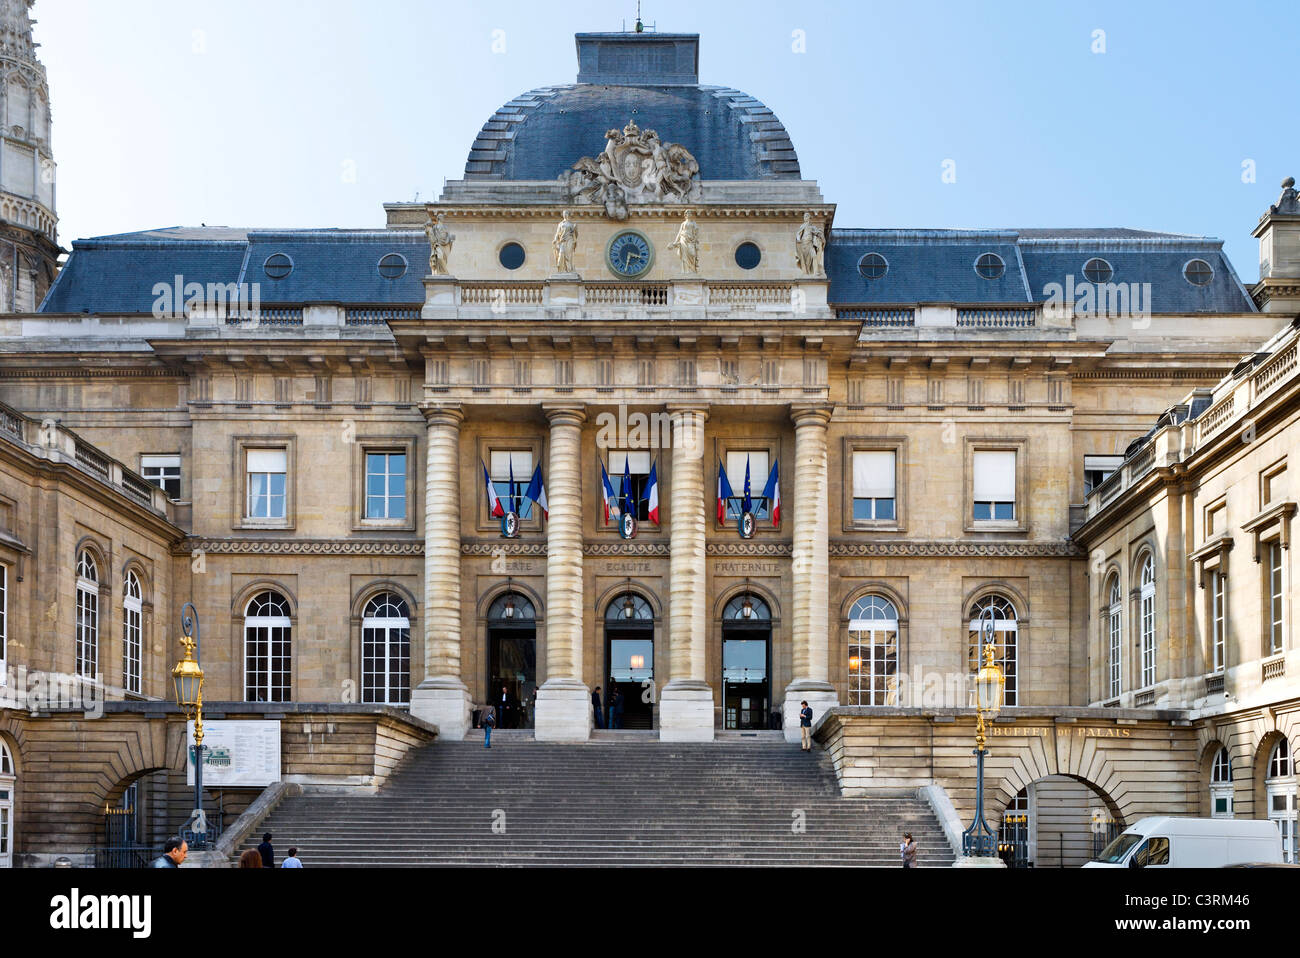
(626, 801)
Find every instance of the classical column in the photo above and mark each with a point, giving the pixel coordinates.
(442, 698)
(810, 567)
(563, 703)
(686, 705)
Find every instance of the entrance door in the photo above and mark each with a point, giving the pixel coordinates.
(8, 783)
(512, 660)
(746, 658)
(630, 661)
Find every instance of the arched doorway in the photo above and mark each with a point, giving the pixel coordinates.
(1057, 821)
(629, 660)
(512, 659)
(746, 662)
(8, 788)
(1280, 795)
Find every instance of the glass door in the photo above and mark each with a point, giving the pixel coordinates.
(744, 680)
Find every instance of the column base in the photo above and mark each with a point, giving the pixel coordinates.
(563, 712)
(445, 703)
(686, 713)
(971, 861)
(820, 697)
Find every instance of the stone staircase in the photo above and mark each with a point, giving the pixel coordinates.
(622, 799)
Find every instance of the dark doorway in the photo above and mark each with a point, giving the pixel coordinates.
(512, 660)
(628, 696)
(746, 663)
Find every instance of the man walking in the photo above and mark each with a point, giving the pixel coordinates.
(266, 851)
(174, 853)
(489, 723)
(595, 704)
(805, 726)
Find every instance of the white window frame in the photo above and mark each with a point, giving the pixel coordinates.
(1280, 789)
(523, 461)
(1007, 623)
(387, 498)
(871, 489)
(4, 623)
(1218, 621)
(87, 622)
(8, 787)
(1115, 634)
(389, 686)
(758, 474)
(637, 468)
(1147, 620)
(132, 629)
(1221, 786)
(1276, 592)
(251, 496)
(874, 634)
(994, 497)
(159, 469)
(272, 680)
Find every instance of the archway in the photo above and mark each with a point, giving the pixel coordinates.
(8, 797)
(746, 662)
(629, 662)
(1057, 821)
(512, 659)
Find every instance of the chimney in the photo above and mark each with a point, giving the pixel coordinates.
(1278, 289)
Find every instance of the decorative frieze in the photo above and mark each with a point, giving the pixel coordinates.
(842, 549)
(301, 547)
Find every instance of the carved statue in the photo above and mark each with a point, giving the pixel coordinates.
(809, 245)
(687, 243)
(635, 166)
(440, 240)
(1289, 201)
(565, 242)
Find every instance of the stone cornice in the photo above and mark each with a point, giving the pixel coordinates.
(747, 549)
(304, 547)
(935, 548)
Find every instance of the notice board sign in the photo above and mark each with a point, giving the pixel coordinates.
(236, 753)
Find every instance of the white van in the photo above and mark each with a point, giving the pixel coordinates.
(1166, 842)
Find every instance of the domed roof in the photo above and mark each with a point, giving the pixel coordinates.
(647, 78)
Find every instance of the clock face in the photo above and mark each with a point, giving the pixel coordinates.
(629, 254)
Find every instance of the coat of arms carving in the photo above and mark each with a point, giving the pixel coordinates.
(635, 167)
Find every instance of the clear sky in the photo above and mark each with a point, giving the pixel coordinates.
(300, 113)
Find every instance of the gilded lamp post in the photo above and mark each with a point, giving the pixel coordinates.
(188, 678)
(980, 841)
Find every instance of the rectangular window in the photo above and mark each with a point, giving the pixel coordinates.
(385, 485)
(87, 630)
(1116, 633)
(131, 646)
(758, 470)
(1217, 622)
(519, 463)
(4, 619)
(1148, 611)
(995, 485)
(1097, 469)
(873, 484)
(164, 472)
(267, 470)
(1276, 600)
(637, 464)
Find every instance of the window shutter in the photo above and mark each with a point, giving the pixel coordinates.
(758, 469)
(640, 463)
(995, 476)
(521, 459)
(873, 475)
(267, 460)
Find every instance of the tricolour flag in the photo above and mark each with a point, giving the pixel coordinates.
(629, 500)
(724, 492)
(652, 493)
(772, 493)
(494, 504)
(536, 491)
(607, 494)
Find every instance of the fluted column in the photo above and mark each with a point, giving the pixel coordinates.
(686, 705)
(810, 568)
(442, 697)
(563, 706)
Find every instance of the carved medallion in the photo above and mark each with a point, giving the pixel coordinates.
(635, 167)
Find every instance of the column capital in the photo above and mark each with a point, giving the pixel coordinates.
(678, 410)
(443, 413)
(567, 412)
(808, 414)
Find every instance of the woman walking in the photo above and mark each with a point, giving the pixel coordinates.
(908, 850)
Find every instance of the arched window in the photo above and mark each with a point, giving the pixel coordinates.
(1115, 633)
(8, 784)
(1280, 785)
(629, 607)
(1147, 620)
(267, 648)
(1005, 634)
(386, 650)
(873, 652)
(747, 607)
(1221, 791)
(87, 615)
(511, 607)
(131, 617)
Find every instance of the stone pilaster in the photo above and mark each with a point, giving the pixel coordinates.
(810, 567)
(563, 704)
(686, 705)
(441, 697)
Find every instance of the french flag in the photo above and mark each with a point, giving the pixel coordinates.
(607, 493)
(536, 491)
(494, 504)
(652, 492)
(772, 493)
(724, 492)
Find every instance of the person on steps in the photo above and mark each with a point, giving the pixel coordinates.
(805, 726)
(489, 723)
(616, 709)
(908, 850)
(595, 704)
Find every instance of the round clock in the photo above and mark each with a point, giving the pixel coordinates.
(629, 254)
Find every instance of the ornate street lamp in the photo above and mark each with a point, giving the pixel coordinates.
(980, 841)
(188, 679)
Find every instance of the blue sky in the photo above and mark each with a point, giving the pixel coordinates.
(297, 113)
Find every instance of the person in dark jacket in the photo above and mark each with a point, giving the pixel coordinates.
(908, 850)
(805, 726)
(595, 704)
(489, 723)
(266, 851)
(174, 853)
(616, 709)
